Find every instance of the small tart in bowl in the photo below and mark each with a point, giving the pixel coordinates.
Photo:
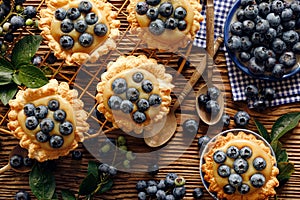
(240, 166)
(134, 93)
(165, 24)
(78, 30)
(49, 121)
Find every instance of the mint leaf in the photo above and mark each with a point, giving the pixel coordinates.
(284, 124)
(5, 78)
(7, 92)
(32, 76)
(286, 169)
(6, 72)
(6, 66)
(16, 79)
(283, 156)
(93, 169)
(276, 146)
(262, 131)
(88, 185)
(107, 186)
(42, 182)
(25, 49)
(67, 195)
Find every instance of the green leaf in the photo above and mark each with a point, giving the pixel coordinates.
(32, 76)
(93, 169)
(67, 195)
(107, 186)
(276, 146)
(262, 131)
(88, 185)
(286, 169)
(7, 92)
(25, 49)
(284, 124)
(42, 182)
(5, 78)
(54, 197)
(6, 66)
(16, 79)
(283, 156)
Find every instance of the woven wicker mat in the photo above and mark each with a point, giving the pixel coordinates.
(69, 173)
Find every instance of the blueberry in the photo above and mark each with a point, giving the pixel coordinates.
(42, 137)
(269, 64)
(198, 193)
(152, 13)
(53, 105)
(66, 128)
(153, 2)
(180, 13)
(289, 25)
(9, 37)
(22, 195)
(151, 183)
(244, 56)
(278, 71)
(269, 93)
(80, 26)
(60, 14)
(219, 156)
(251, 11)
(261, 53)
(226, 120)
(171, 23)
(234, 43)
(132, 94)
(66, 42)
(56, 141)
(137, 77)
(240, 15)
(85, 6)
(103, 168)
(17, 21)
(286, 14)
(235, 180)
(288, 59)
(37, 60)
(244, 188)
(28, 162)
(236, 28)
(31, 122)
(143, 105)
(212, 107)
(139, 117)
(141, 185)
(241, 118)
(245, 152)
(290, 37)
(100, 29)
(155, 100)
(295, 6)
(126, 106)
(182, 25)
(142, 196)
(29, 109)
(257, 38)
(16, 161)
(262, 26)
(245, 3)
(86, 39)
(224, 170)
(165, 9)
(114, 102)
(255, 66)
(41, 112)
(160, 195)
(47, 125)
(29, 11)
(157, 27)
(151, 190)
(76, 155)
(147, 86)
(257, 180)
(228, 189)
(213, 93)
(240, 166)
(112, 171)
(259, 104)
(259, 163)
(296, 48)
(251, 92)
(190, 126)
(73, 13)
(246, 44)
(59, 115)
(202, 99)
(141, 8)
(153, 170)
(203, 140)
(273, 19)
(232, 152)
(170, 197)
(179, 192)
(161, 185)
(170, 179)
(264, 8)
(277, 6)
(119, 85)
(66, 26)
(278, 46)
(270, 35)
(91, 18)
(51, 59)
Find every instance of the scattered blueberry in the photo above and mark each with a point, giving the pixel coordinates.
(198, 193)
(212, 107)
(138, 77)
(203, 140)
(30, 11)
(16, 161)
(142, 196)
(190, 126)
(103, 168)
(251, 92)
(241, 118)
(151, 190)
(141, 185)
(157, 27)
(28, 162)
(22, 195)
(37, 60)
(170, 179)
(226, 120)
(179, 192)
(76, 155)
(155, 100)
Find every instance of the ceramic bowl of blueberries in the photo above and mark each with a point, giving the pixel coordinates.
(262, 38)
(206, 148)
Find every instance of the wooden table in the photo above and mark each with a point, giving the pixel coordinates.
(69, 173)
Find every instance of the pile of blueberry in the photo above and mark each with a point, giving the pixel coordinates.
(133, 100)
(265, 36)
(170, 188)
(40, 116)
(107, 170)
(162, 15)
(13, 15)
(209, 101)
(240, 166)
(79, 19)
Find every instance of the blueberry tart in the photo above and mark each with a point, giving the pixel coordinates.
(240, 166)
(77, 30)
(134, 93)
(49, 121)
(166, 25)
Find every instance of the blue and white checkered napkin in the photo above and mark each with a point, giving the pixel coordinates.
(288, 91)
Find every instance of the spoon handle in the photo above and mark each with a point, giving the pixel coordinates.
(5, 168)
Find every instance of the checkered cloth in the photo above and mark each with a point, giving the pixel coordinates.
(288, 91)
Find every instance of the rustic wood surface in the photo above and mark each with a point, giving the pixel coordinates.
(69, 173)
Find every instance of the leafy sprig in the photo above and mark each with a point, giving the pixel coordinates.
(20, 71)
(282, 125)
